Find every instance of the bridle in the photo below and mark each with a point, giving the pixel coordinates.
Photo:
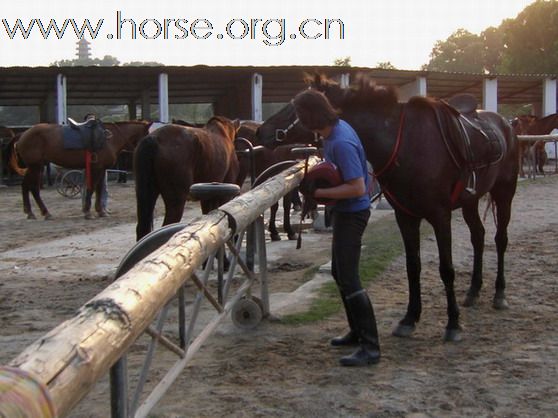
(281, 134)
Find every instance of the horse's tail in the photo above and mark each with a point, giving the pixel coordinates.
(16, 163)
(146, 188)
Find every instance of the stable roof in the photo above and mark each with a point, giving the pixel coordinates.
(203, 84)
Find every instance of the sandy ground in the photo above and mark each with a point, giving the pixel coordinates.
(506, 365)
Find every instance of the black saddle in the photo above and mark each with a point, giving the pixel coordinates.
(472, 140)
(88, 135)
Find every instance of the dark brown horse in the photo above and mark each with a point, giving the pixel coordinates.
(263, 159)
(172, 158)
(422, 174)
(43, 143)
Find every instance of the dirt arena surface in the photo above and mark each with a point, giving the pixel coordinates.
(506, 365)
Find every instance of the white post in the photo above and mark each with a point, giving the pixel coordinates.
(345, 80)
(414, 88)
(61, 109)
(257, 97)
(549, 97)
(164, 97)
(490, 94)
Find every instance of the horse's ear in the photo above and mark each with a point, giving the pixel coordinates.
(236, 124)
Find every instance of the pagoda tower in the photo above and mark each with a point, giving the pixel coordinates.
(83, 50)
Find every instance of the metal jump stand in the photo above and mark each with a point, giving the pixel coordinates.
(246, 310)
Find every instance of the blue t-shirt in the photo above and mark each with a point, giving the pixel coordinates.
(344, 149)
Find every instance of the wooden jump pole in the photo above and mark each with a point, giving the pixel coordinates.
(73, 356)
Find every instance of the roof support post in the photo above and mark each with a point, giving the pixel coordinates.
(549, 96)
(490, 94)
(257, 97)
(345, 80)
(61, 103)
(414, 88)
(164, 97)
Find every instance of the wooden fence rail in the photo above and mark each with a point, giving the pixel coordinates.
(77, 353)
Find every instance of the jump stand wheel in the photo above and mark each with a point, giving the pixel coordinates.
(247, 313)
(70, 184)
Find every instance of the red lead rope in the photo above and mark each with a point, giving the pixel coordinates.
(395, 151)
(88, 179)
(388, 165)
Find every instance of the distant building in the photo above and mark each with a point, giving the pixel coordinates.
(83, 50)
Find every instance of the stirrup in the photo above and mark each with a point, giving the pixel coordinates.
(472, 184)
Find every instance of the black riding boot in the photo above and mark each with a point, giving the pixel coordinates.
(351, 337)
(365, 322)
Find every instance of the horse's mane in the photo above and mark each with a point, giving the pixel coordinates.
(364, 92)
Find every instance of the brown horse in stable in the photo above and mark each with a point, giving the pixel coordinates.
(426, 170)
(172, 158)
(43, 143)
(531, 152)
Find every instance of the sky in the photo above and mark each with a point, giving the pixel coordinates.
(249, 32)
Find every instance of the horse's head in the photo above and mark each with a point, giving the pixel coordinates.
(127, 133)
(283, 128)
(522, 124)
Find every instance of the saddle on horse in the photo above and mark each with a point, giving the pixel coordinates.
(471, 140)
(89, 135)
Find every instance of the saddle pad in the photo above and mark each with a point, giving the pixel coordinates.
(71, 138)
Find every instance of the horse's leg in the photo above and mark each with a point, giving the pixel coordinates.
(274, 234)
(173, 212)
(442, 230)
(297, 203)
(503, 198)
(101, 195)
(35, 187)
(476, 228)
(410, 232)
(86, 201)
(27, 180)
(287, 227)
(521, 157)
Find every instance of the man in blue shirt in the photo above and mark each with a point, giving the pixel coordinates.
(350, 216)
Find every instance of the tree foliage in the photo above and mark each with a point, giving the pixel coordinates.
(462, 51)
(526, 44)
(342, 62)
(531, 40)
(387, 65)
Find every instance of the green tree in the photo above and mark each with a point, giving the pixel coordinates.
(463, 51)
(342, 62)
(106, 61)
(531, 40)
(387, 65)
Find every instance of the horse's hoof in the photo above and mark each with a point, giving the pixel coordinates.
(470, 300)
(88, 215)
(31, 216)
(452, 335)
(275, 237)
(103, 214)
(500, 303)
(403, 331)
(48, 217)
